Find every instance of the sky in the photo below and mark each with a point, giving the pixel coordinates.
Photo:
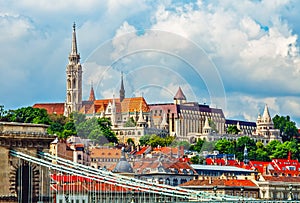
(234, 55)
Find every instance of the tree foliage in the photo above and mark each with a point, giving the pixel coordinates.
(130, 123)
(197, 146)
(144, 140)
(232, 129)
(288, 129)
(28, 115)
(225, 146)
(105, 127)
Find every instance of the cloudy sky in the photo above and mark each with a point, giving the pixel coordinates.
(234, 55)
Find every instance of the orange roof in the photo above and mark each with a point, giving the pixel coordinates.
(51, 108)
(127, 105)
(282, 178)
(105, 153)
(220, 182)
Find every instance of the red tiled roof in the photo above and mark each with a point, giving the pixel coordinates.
(220, 182)
(282, 178)
(142, 151)
(167, 164)
(51, 108)
(106, 153)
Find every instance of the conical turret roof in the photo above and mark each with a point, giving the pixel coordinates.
(179, 95)
(92, 94)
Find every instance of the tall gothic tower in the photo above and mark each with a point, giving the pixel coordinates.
(74, 79)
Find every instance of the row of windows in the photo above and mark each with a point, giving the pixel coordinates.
(128, 133)
(105, 160)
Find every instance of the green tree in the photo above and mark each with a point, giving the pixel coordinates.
(195, 160)
(288, 129)
(144, 140)
(105, 127)
(169, 140)
(78, 118)
(283, 149)
(130, 141)
(155, 141)
(198, 146)
(3, 113)
(130, 123)
(185, 144)
(232, 129)
(271, 146)
(240, 146)
(261, 155)
(225, 146)
(28, 115)
(86, 127)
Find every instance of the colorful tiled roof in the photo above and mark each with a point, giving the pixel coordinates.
(106, 153)
(282, 179)
(127, 105)
(220, 182)
(51, 108)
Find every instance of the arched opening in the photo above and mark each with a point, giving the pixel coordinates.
(24, 186)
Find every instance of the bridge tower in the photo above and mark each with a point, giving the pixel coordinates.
(21, 180)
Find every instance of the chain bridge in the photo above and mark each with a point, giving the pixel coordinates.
(31, 175)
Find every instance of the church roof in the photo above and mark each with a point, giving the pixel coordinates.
(51, 108)
(179, 95)
(127, 105)
(92, 95)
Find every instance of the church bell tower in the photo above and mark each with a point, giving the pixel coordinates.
(74, 79)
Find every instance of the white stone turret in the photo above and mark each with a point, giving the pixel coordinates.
(164, 124)
(206, 129)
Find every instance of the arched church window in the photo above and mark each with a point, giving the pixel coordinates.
(69, 84)
(69, 97)
(74, 83)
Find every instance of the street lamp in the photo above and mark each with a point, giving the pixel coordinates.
(291, 193)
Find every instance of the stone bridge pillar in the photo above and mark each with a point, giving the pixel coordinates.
(20, 180)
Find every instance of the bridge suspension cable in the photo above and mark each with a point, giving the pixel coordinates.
(59, 165)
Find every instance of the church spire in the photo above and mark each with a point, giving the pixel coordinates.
(74, 43)
(73, 79)
(92, 93)
(122, 89)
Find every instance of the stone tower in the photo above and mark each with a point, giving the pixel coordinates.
(21, 180)
(74, 79)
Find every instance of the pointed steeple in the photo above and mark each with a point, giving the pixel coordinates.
(266, 115)
(179, 97)
(73, 79)
(122, 89)
(141, 121)
(92, 93)
(206, 128)
(164, 124)
(74, 42)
